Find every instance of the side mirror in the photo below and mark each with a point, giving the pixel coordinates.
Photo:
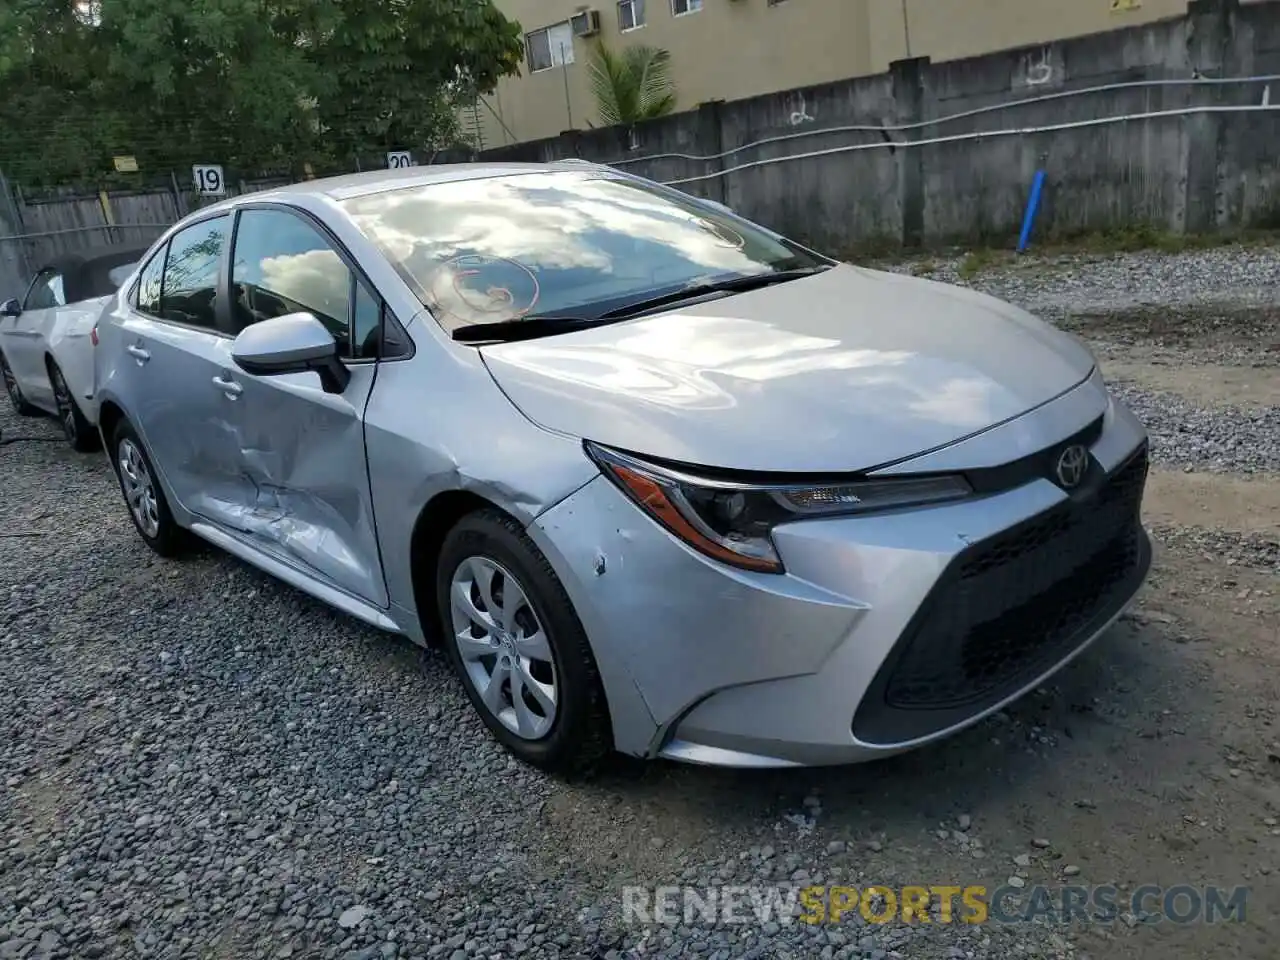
(293, 343)
(11, 308)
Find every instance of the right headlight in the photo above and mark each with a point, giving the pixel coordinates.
(733, 522)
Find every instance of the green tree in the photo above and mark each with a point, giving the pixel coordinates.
(252, 84)
(633, 85)
(399, 69)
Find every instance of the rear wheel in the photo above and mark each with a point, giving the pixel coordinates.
(78, 431)
(16, 397)
(515, 641)
(142, 494)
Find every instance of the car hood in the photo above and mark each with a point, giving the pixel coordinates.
(842, 371)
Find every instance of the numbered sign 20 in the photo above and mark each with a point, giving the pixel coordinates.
(209, 180)
(399, 158)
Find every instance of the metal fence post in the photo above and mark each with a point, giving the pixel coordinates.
(179, 204)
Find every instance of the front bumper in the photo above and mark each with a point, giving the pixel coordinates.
(886, 632)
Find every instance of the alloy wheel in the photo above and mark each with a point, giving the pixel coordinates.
(504, 647)
(139, 488)
(66, 406)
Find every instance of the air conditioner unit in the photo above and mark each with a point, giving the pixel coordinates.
(585, 23)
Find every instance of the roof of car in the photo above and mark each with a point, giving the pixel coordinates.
(85, 273)
(375, 181)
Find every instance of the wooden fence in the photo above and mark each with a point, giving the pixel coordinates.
(33, 231)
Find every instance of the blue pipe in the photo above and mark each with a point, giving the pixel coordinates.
(1033, 204)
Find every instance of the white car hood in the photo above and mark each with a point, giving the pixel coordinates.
(843, 371)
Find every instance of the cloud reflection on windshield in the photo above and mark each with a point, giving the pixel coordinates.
(587, 239)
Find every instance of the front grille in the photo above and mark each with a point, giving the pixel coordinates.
(1012, 606)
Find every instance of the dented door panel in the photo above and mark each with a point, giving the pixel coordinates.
(304, 491)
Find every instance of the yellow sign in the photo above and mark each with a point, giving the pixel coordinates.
(1120, 6)
(126, 164)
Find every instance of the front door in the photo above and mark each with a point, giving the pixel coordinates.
(305, 483)
(171, 354)
(24, 345)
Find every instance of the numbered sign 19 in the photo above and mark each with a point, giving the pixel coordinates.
(399, 158)
(209, 180)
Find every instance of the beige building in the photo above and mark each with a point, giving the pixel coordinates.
(730, 49)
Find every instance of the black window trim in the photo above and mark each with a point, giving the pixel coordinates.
(385, 313)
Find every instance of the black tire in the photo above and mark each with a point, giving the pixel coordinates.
(78, 431)
(168, 539)
(19, 402)
(580, 734)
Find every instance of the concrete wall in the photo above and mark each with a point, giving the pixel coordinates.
(730, 49)
(1192, 172)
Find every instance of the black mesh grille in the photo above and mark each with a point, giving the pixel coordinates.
(1014, 604)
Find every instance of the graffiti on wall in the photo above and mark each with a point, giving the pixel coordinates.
(798, 110)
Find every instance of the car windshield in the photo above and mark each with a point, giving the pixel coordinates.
(562, 244)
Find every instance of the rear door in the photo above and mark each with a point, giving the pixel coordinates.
(173, 349)
(305, 482)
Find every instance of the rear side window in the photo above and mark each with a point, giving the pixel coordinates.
(149, 284)
(189, 287)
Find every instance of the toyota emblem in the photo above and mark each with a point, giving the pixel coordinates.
(1072, 463)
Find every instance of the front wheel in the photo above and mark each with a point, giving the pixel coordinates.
(142, 494)
(16, 397)
(514, 639)
(78, 431)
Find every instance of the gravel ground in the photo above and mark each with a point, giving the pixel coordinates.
(1072, 283)
(1184, 434)
(197, 761)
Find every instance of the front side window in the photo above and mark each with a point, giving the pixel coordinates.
(189, 285)
(282, 265)
(550, 47)
(630, 14)
(680, 7)
(46, 293)
(575, 243)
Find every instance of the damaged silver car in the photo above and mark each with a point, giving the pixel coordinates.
(658, 479)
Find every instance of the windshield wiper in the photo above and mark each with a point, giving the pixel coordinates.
(751, 281)
(544, 325)
(519, 328)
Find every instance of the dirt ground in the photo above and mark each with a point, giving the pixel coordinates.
(1153, 759)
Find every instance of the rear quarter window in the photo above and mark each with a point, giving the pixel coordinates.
(147, 299)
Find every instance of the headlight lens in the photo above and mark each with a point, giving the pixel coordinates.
(733, 522)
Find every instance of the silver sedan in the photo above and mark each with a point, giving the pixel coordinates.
(658, 479)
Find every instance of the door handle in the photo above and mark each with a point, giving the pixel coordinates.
(139, 354)
(229, 387)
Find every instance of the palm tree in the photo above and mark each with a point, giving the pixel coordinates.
(632, 86)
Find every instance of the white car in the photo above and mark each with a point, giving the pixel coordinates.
(46, 351)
